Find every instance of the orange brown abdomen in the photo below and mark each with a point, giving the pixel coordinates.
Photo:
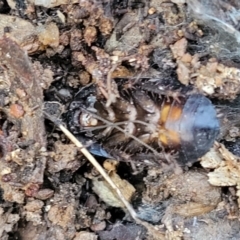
(189, 126)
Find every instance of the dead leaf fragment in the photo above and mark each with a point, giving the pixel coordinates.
(227, 173)
(108, 195)
(212, 159)
(192, 209)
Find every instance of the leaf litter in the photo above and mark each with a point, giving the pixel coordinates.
(49, 190)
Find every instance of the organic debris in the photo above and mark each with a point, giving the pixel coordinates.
(123, 64)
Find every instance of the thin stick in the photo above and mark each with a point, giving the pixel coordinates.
(99, 168)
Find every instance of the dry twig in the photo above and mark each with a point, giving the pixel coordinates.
(90, 157)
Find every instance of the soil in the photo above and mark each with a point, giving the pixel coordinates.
(51, 52)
